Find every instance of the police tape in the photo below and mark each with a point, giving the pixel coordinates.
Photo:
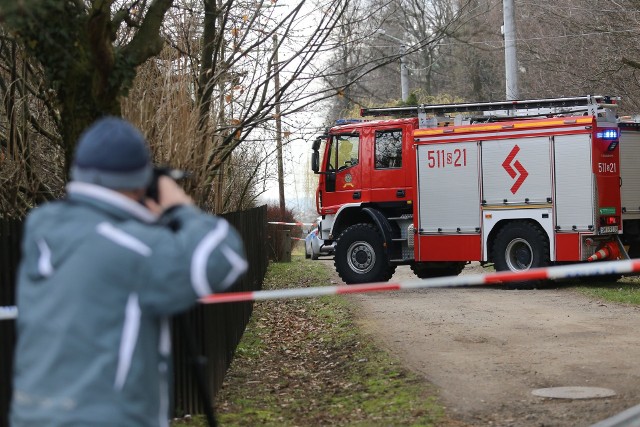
(571, 271)
(543, 273)
(291, 223)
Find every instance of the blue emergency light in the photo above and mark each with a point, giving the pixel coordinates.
(608, 135)
(340, 122)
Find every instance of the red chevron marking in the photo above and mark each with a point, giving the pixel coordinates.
(523, 175)
(507, 162)
(519, 169)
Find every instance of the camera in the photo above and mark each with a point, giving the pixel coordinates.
(158, 171)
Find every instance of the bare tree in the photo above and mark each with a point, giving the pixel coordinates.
(87, 66)
(579, 47)
(233, 70)
(435, 38)
(28, 141)
(215, 71)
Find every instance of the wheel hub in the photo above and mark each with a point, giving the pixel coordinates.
(361, 257)
(519, 255)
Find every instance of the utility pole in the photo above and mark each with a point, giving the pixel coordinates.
(404, 74)
(510, 60)
(404, 71)
(276, 76)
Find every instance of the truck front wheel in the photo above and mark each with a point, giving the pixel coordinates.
(360, 256)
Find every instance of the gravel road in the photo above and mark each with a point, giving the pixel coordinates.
(487, 349)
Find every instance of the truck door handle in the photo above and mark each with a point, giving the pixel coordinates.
(400, 193)
(356, 195)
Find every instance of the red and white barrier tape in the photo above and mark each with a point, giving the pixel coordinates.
(291, 223)
(545, 273)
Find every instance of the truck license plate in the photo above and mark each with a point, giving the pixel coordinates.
(609, 229)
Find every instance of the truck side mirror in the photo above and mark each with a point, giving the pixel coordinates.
(315, 161)
(315, 146)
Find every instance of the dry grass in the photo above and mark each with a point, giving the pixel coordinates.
(163, 105)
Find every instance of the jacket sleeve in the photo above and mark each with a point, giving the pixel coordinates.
(195, 255)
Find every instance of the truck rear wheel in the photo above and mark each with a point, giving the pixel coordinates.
(519, 246)
(426, 270)
(360, 256)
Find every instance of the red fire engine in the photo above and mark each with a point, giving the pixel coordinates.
(520, 184)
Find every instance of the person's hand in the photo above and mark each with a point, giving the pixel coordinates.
(169, 194)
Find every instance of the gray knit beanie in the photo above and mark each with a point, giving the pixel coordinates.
(114, 154)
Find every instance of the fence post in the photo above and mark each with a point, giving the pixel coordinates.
(284, 250)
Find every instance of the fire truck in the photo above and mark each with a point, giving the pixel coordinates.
(519, 184)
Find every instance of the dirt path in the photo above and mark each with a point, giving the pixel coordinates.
(488, 349)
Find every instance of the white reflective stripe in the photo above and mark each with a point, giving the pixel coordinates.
(8, 312)
(123, 239)
(113, 198)
(164, 346)
(44, 261)
(128, 340)
(238, 266)
(208, 244)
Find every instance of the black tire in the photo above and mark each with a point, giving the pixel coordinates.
(519, 246)
(360, 256)
(427, 270)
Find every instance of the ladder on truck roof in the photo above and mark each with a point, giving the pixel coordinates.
(594, 105)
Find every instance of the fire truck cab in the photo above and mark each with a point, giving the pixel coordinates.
(520, 184)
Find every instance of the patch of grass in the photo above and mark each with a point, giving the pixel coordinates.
(626, 291)
(304, 362)
(197, 421)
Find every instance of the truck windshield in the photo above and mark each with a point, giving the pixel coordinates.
(343, 152)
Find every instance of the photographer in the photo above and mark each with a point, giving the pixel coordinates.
(101, 273)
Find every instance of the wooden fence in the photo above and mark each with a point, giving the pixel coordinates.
(216, 329)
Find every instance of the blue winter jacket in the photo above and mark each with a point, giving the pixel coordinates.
(99, 277)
